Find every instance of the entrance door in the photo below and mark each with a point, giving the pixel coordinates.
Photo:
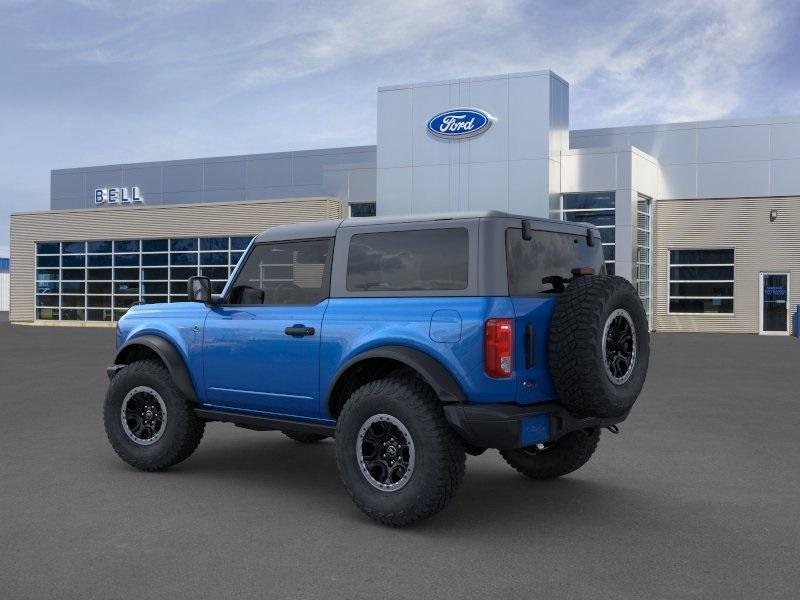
(774, 304)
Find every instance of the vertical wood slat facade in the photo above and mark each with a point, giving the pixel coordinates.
(759, 246)
(142, 222)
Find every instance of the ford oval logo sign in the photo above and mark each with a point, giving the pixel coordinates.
(460, 123)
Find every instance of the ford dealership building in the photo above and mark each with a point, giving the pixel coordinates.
(702, 217)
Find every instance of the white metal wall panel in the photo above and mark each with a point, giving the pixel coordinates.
(229, 219)
(4, 291)
(742, 224)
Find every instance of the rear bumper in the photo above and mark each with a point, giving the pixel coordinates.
(507, 426)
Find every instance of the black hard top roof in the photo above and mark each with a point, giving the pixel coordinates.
(324, 229)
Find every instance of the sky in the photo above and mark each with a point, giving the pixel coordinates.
(93, 82)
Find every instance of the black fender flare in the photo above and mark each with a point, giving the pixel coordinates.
(431, 370)
(169, 355)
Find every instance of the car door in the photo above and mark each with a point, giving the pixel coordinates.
(261, 343)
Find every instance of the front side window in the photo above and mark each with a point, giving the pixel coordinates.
(701, 281)
(290, 273)
(405, 261)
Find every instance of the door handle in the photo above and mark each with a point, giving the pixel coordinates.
(299, 330)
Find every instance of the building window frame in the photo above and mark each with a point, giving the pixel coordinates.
(587, 212)
(670, 281)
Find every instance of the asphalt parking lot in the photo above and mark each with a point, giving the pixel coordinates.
(696, 498)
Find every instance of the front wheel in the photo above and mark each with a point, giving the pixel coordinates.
(396, 454)
(554, 459)
(149, 423)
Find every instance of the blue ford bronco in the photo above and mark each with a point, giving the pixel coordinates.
(410, 340)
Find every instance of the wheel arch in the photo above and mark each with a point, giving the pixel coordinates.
(154, 346)
(384, 359)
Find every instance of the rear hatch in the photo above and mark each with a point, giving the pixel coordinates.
(538, 268)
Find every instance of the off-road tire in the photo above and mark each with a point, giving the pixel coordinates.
(440, 456)
(183, 429)
(304, 438)
(575, 347)
(563, 456)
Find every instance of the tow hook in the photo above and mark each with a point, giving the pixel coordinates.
(613, 429)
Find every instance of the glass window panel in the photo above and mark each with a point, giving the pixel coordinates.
(99, 274)
(47, 261)
(590, 200)
(98, 301)
(178, 298)
(183, 245)
(182, 273)
(102, 287)
(704, 305)
(47, 287)
(362, 209)
(701, 257)
(178, 287)
(608, 235)
(47, 247)
(693, 273)
(217, 287)
(608, 252)
(240, 243)
(73, 260)
(155, 274)
(99, 260)
(49, 300)
(126, 274)
(73, 274)
(155, 259)
(125, 301)
(701, 289)
(126, 260)
(73, 247)
(155, 287)
(155, 299)
(76, 301)
(98, 315)
(47, 274)
(213, 258)
(98, 247)
(126, 287)
(235, 257)
(610, 268)
(432, 259)
(126, 246)
(73, 287)
(216, 243)
(597, 218)
(47, 314)
(118, 314)
(155, 245)
(214, 272)
(184, 258)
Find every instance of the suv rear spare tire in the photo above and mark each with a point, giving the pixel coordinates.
(599, 346)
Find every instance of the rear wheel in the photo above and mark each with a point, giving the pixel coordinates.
(149, 423)
(396, 454)
(554, 459)
(304, 438)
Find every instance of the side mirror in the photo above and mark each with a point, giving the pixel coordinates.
(198, 289)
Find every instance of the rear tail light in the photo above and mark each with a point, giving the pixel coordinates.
(497, 347)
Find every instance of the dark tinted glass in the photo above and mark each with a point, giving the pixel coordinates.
(126, 260)
(611, 268)
(99, 274)
(155, 287)
(125, 301)
(46, 274)
(545, 255)
(240, 243)
(97, 247)
(126, 274)
(601, 217)
(126, 287)
(693, 273)
(362, 209)
(47, 287)
(99, 301)
(98, 315)
(152, 274)
(184, 258)
(154, 259)
(73, 287)
(214, 272)
(73, 247)
(701, 257)
(47, 261)
(182, 272)
(701, 289)
(46, 300)
(608, 235)
(393, 261)
(609, 252)
(73, 314)
(48, 314)
(183, 245)
(126, 246)
(591, 200)
(219, 243)
(73, 260)
(155, 299)
(73, 274)
(704, 305)
(154, 245)
(99, 260)
(214, 258)
(290, 273)
(47, 247)
(99, 287)
(73, 301)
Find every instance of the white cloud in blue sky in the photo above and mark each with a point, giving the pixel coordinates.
(99, 82)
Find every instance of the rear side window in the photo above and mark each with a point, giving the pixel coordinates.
(547, 254)
(402, 261)
(286, 273)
